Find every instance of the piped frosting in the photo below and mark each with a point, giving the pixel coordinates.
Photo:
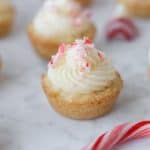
(80, 68)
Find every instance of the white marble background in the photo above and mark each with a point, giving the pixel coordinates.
(27, 122)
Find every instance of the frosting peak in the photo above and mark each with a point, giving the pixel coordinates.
(81, 54)
(80, 68)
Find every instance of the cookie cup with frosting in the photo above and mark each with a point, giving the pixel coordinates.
(81, 83)
(7, 13)
(139, 8)
(57, 22)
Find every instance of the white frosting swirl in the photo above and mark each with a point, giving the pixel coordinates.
(80, 69)
(60, 17)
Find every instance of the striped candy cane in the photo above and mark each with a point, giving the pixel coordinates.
(120, 134)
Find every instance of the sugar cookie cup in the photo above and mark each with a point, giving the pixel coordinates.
(64, 24)
(7, 14)
(139, 8)
(81, 83)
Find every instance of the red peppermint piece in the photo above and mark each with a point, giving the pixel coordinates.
(87, 65)
(101, 55)
(50, 63)
(88, 41)
(62, 48)
(121, 28)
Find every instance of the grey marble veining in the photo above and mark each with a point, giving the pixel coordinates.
(27, 122)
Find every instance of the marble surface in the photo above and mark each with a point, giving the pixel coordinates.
(27, 122)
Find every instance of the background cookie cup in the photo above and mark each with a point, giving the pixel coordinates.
(139, 8)
(59, 22)
(46, 47)
(88, 106)
(7, 16)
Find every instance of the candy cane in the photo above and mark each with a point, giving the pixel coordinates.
(120, 134)
(121, 28)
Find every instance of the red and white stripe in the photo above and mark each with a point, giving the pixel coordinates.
(120, 134)
(121, 28)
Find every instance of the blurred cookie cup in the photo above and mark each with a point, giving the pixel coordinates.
(138, 8)
(59, 21)
(7, 14)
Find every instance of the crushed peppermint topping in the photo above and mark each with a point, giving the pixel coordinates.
(87, 41)
(50, 64)
(62, 48)
(87, 65)
(51, 61)
(81, 47)
(77, 18)
(101, 55)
